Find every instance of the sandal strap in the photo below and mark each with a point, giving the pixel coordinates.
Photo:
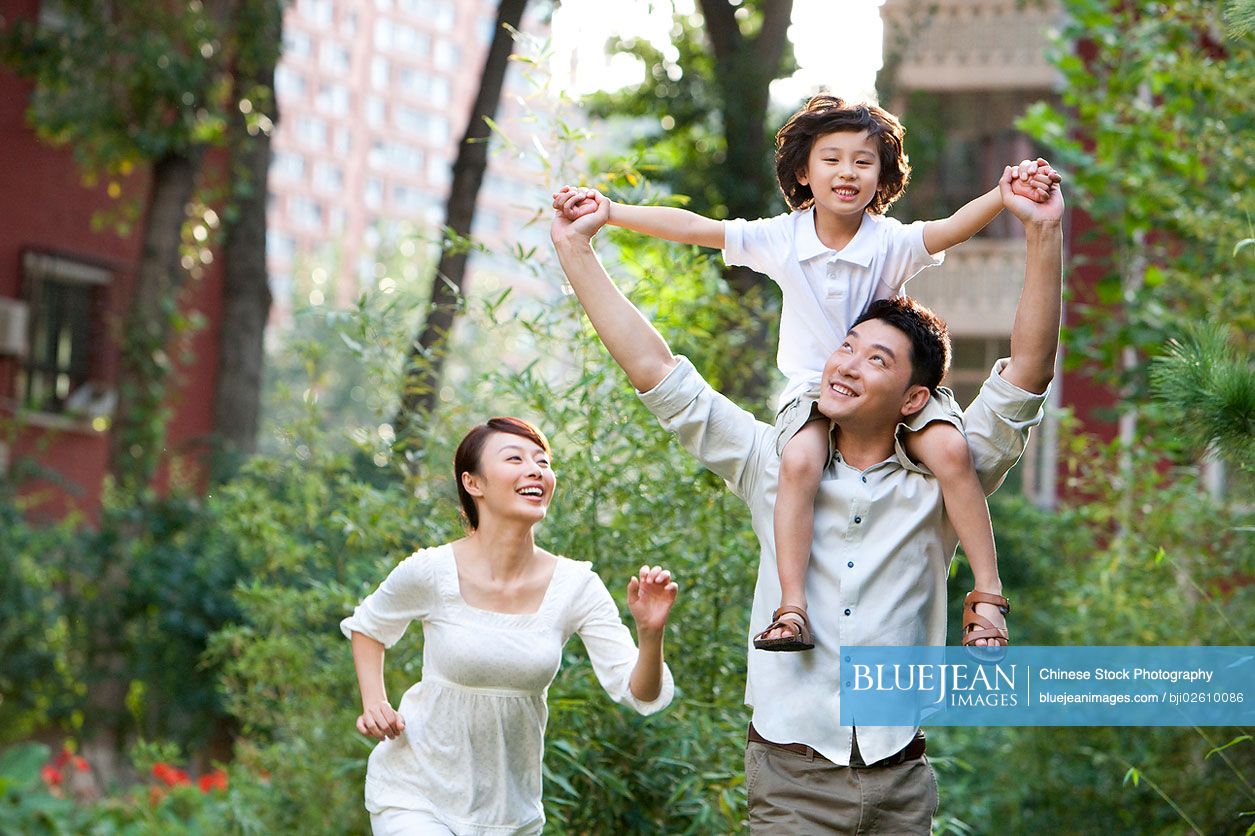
(989, 633)
(973, 598)
(798, 611)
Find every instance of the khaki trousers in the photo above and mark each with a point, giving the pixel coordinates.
(791, 794)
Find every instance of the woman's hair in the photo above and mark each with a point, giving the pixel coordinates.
(467, 457)
(824, 115)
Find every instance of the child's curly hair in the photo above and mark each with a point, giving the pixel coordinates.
(826, 114)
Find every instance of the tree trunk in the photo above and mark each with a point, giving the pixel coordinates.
(139, 429)
(245, 286)
(425, 361)
(744, 70)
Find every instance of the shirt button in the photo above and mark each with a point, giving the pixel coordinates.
(847, 612)
(864, 479)
(847, 658)
(850, 564)
(858, 519)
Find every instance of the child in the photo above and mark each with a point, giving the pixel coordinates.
(840, 167)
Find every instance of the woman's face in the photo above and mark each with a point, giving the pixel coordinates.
(515, 480)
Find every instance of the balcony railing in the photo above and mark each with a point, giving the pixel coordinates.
(977, 287)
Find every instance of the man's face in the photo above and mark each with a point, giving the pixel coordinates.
(866, 382)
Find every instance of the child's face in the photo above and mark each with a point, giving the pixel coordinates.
(843, 172)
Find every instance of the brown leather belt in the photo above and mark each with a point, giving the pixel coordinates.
(913, 751)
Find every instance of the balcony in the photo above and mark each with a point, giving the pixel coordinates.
(956, 45)
(977, 287)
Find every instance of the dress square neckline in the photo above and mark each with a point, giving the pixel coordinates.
(455, 579)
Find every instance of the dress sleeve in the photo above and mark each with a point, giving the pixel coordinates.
(905, 256)
(760, 245)
(611, 649)
(407, 594)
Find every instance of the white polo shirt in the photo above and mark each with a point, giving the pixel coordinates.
(824, 290)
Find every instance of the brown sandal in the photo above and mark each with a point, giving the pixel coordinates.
(976, 626)
(801, 640)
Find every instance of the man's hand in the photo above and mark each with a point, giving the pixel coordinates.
(380, 721)
(1030, 211)
(575, 201)
(650, 596)
(578, 214)
(1034, 179)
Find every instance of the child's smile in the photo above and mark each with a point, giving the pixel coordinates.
(843, 172)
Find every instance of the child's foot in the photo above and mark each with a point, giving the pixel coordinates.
(984, 619)
(789, 631)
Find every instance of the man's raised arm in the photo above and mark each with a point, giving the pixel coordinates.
(631, 340)
(1035, 332)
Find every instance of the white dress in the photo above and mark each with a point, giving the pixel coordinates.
(471, 751)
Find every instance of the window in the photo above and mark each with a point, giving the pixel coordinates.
(288, 165)
(289, 83)
(321, 12)
(422, 85)
(448, 56)
(379, 72)
(311, 131)
(296, 44)
(66, 329)
(333, 99)
(305, 212)
(328, 177)
(334, 58)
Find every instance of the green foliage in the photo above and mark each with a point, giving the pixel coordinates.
(1219, 408)
(1151, 561)
(68, 624)
(679, 116)
(1156, 135)
(323, 519)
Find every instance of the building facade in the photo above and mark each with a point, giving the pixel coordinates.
(374, 97)
(65, 285)
(959, 73)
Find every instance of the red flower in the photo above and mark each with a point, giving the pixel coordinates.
(51, 775)
(169, 775)
(62, 758)
(216, 780)
(80, 763)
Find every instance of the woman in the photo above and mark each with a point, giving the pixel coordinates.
(462, 755)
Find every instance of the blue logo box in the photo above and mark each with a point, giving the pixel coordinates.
(1048, 686)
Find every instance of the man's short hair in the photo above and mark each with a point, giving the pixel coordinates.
(824, 115)
(929, 336)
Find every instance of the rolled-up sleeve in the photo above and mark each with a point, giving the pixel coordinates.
(406, 595)
(997, 425)
(721, 435)
(611, 649)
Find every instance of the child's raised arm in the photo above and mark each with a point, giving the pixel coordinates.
(1031, 179)
(666, 222)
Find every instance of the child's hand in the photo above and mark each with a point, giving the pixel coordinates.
(575, 202)
(1033, 179)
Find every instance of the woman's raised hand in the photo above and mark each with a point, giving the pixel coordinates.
(380, 721)
(650, 596)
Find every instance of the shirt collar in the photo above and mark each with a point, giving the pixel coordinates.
(859, 251)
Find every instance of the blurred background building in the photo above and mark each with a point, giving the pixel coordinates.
(959, 73)
(373, 99)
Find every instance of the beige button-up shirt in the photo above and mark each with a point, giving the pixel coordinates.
(882, 548)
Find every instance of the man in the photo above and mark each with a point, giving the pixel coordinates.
(882, 543)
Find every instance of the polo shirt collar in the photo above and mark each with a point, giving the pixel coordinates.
(859, 251)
